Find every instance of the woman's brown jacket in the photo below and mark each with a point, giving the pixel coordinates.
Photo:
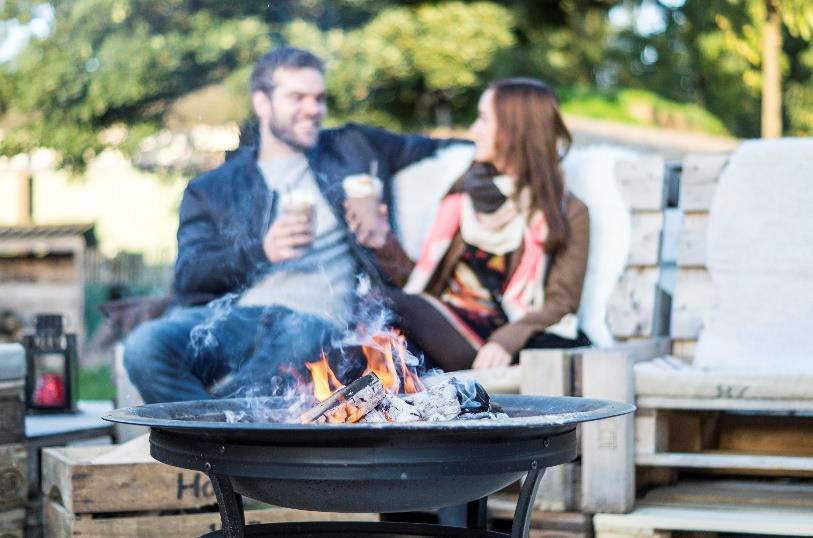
(563, 288)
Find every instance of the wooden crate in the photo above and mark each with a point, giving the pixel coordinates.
(61, 523)
(121, 491)
(12, 523)
(712, 507)
(12, 411)
(13, 476)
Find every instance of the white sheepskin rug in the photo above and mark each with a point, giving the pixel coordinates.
(760, 255)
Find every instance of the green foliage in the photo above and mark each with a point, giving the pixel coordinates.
(96, 383)
(425, 56)
(400, 64)
(112, 61)
(638, 107)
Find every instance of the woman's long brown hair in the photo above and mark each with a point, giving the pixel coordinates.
(531, 140)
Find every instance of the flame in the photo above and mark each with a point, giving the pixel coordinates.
(379, 361)
(382, 350)
(325, 382)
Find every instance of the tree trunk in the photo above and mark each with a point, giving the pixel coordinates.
(771, 75)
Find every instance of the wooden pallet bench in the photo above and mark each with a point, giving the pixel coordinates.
(121, 491)
(660, 521)
(782, 508)
(13, 460)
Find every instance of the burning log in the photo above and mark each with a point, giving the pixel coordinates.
(392, 409)
(348, 404)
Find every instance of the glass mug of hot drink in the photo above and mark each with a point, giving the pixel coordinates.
(299, 201)
(363, 194)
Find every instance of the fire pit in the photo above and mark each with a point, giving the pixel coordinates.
(364, 467)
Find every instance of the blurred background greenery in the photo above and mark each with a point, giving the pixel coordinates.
(88, 65)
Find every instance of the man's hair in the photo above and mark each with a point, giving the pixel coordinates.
(262, 77)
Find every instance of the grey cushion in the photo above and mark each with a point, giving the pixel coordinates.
(12, 362)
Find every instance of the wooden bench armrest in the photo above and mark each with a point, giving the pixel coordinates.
(608, 446)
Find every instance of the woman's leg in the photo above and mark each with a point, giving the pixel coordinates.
(431, 331)
(545, 340)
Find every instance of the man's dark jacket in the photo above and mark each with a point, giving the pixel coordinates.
(226, 212)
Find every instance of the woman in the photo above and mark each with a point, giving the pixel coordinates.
(504, 262)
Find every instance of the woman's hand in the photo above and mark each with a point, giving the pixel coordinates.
(491, 355)
(371, 238)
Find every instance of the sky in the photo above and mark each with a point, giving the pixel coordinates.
(14, 36)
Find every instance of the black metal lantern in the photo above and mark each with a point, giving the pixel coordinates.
(51, 357)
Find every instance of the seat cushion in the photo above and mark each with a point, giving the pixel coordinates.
(668, 377)
(760, 257)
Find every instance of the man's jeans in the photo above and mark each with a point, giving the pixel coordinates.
(179, 356)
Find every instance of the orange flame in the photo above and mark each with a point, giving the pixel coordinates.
(325, 382)
(379, 362)
(381, 352)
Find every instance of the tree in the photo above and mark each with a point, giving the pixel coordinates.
(759, 39)
(124, 62)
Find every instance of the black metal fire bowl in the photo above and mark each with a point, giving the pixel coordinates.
(368, 467)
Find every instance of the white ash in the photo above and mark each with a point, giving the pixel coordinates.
(436, 403)
(393, 409)
(488, 415)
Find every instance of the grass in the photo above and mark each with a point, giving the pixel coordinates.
(96, 383)
(639, 107)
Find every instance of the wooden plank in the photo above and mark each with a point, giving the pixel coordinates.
(651, 431)
(60, 523)
(41, 245)
(724, 518)
(13, 476)
(129, 486)
(46, 269)
(12, 418)
(692, 240)
(608, 472)
(690, 460)
(693, 303)
(684, 349)
(12, 523)
(699, 180)
(645, 240)
(630, 312)
(723, 404)
(740, 492)
(547, 372)
(642, 182)
(766, 434)
(126, 396)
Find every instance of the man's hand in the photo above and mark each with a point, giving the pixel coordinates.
(491, 355)
(374, 238)
(287, 237)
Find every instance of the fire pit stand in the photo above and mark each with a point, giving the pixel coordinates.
(369, 467)
(234, 526)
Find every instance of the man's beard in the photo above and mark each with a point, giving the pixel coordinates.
(286, 135)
